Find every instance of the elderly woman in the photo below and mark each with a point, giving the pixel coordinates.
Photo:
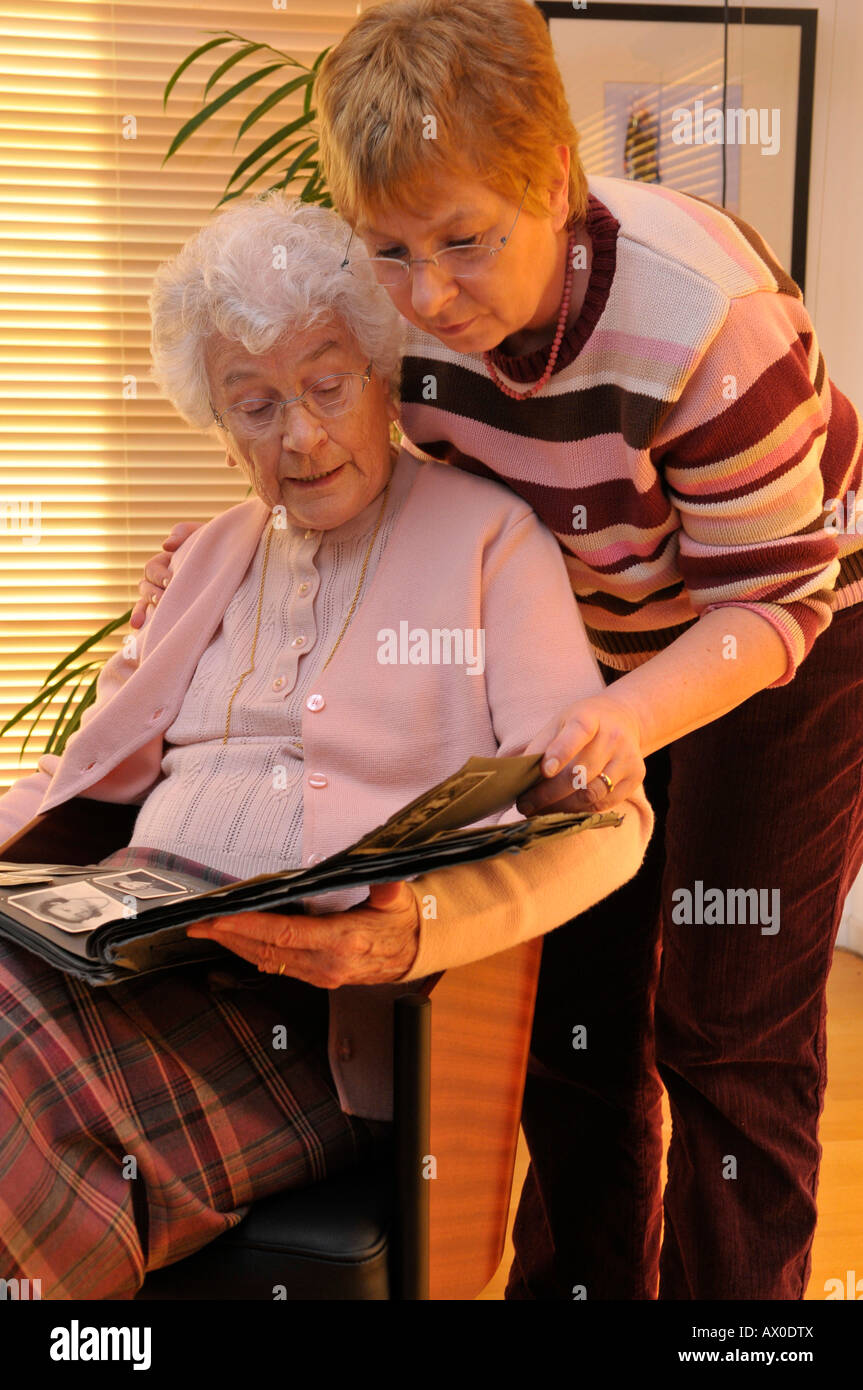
(258, 728)
(637, 365)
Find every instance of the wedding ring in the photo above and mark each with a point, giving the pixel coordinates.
(282, 968)
(607, 780)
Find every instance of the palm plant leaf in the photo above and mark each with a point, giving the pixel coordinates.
(302, 159)
(267, 153)
(87, 699)
(311, 186)
(212, 107)
(280, 53)
(23, 748)
(305, 157)
(42, 701)
(307, 100)
(89, 642)
(266, 145)
(305, 78)
(187, 61)
(237, 57)
(57, 731)
(45, 694)
(61, 675)
(256, 174)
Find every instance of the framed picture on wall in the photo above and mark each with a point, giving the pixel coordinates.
(671, 94)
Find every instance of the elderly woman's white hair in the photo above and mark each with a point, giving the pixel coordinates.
(258, 270)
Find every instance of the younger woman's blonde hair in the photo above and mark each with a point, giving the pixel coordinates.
(464, 86)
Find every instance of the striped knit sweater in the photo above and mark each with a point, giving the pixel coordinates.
(689, 451)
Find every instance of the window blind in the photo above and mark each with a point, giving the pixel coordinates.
(95, 467)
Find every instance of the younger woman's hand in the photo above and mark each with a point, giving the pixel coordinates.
(157, 571)
(593, 736)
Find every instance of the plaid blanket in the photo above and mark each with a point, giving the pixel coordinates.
(139, 1121)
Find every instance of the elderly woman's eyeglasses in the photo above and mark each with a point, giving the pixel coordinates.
(326, 398)
(458, 262)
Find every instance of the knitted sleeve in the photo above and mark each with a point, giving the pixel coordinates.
(744, 454)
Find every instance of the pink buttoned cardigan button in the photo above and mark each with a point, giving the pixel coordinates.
(303, 588)
(278, 682)
(315, 702)
(299, 640)
(317, 780)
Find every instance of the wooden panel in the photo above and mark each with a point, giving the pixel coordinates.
(481, 1025)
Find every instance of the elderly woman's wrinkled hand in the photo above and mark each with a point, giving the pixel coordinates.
(374, 943)
(592, 759)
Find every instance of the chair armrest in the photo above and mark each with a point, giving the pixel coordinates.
(79, 831)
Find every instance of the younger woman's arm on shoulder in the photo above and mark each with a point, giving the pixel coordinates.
(538, 659)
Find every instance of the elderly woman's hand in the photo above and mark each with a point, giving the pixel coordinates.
(374, 943)
(595, 735)
(157, 572)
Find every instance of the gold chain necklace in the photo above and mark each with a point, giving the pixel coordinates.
(296, 743)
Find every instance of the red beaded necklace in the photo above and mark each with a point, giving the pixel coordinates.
(558, 336)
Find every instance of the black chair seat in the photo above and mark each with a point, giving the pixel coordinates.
(328, 1241)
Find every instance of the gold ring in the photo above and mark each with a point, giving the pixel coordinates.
(607, 780)
(282, 968)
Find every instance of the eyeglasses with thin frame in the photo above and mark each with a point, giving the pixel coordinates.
(459, 262)
(326, 398)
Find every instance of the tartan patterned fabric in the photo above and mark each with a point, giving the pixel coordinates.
(139, 1121)
(143, 857)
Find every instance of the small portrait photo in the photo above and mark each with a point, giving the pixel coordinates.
(73, 906)
(140, 883)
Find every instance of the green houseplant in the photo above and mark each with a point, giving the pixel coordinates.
(286, 157)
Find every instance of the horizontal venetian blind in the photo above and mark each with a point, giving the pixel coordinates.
(95, 467)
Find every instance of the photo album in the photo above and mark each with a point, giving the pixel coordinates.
(104, 924)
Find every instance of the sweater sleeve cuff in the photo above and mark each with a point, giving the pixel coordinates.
(798, 624)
